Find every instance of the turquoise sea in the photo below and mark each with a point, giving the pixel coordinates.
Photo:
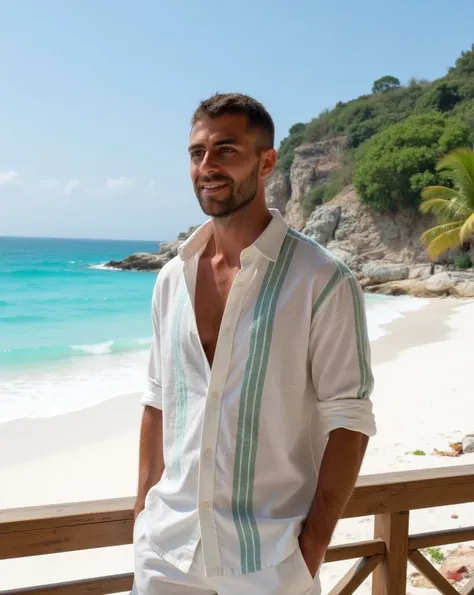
(73, 334)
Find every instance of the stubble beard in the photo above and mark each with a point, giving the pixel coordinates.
(239, 198)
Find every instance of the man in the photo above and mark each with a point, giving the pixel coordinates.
(257, 414)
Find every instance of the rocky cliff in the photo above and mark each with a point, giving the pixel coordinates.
(383, 250)
(312, 165)
(356, 234)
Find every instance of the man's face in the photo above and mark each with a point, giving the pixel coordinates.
(225, 164)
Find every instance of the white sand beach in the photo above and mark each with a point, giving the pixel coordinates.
(423, 400)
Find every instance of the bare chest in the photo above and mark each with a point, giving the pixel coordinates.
(213, 285)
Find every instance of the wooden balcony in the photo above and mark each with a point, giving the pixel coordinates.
(389, 497)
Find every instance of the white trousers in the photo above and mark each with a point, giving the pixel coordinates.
(156, 576)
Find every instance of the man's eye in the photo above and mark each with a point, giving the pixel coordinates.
(227, 149)
(196, 153)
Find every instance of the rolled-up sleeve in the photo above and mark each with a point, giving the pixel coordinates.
(340, 359)
(152, 395)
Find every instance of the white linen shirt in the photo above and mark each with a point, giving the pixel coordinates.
(243, 440)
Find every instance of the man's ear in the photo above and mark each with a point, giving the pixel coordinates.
(269, 158)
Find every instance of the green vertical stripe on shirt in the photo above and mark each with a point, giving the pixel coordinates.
(181, 387)
(343, 271)
(361, 340)
(326, 291)
(250, 406)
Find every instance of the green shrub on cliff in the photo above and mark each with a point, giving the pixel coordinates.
(361, 119)
(400, 161)
(288, 146)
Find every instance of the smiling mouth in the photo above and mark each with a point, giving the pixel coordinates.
(213, 186)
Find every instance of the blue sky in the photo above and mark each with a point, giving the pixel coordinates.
(96, 95)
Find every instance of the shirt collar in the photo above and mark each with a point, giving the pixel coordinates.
(268, 243)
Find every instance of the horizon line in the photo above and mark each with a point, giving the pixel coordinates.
(77, 238)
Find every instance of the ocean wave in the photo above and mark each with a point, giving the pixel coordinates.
(103, 267)
(97, 349)
(39, 355)
(47, 391)
(383, 310)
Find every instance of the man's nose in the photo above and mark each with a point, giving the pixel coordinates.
(208, 164)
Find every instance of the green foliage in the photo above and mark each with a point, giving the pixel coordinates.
(386, 83)
(451, 204)
(463, 261)
(435, 554)
(442, 96)
(287, 148)
(361, 119)
(313, 199)
(396, 162)
(299, 127)
(338, 179)
(464, 64)
(419, 453)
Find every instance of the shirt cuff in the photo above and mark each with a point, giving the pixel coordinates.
(351, 414)
(152, 395)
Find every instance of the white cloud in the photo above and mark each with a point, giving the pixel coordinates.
(120, 185)
(9, 177)
(50, 184)
(71, 187)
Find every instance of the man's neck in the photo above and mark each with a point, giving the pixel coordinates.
(237, 232)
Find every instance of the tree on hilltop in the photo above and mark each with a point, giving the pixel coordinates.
(386, 83)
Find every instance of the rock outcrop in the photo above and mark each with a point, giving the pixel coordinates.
(441, 284)
(312, 165)
(278, 191)
(384, 272)
(323, 223)
(151, 261)
(365, 236)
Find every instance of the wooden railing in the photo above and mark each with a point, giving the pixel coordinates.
(389, 497)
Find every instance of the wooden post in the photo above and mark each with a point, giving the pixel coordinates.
(390, 576)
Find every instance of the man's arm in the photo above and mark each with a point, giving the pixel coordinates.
(151, 462)
(339, 354)
(340, 468)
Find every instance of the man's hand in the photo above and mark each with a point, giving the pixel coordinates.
(337, 476)
(151, 463)
(139, 506)
(313, 552)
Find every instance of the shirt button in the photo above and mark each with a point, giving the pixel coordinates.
(205, 505)
(208, 451)
(226, 330)
(214, 395)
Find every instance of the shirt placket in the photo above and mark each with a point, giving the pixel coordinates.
(218, 378)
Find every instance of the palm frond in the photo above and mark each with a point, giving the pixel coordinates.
(458, 166)
(444, 210)
(443, 241)
(443, 192)
(428, 236)
(466, 232)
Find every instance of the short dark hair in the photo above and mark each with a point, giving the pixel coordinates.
(220, 104)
